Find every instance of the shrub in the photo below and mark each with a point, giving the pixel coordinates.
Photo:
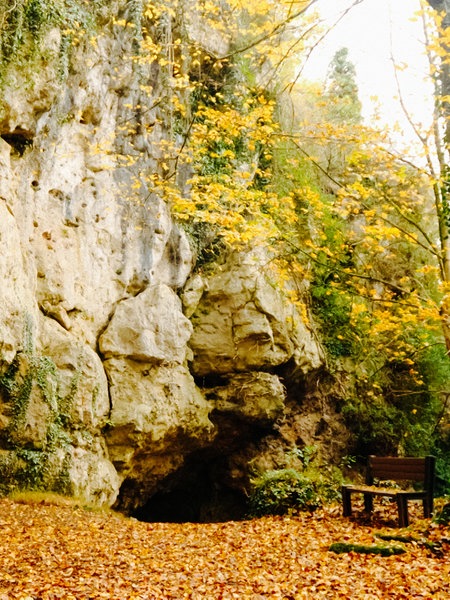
(281, 492)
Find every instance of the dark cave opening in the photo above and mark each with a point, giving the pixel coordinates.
(212, 484)
(195, 494)
(185, 505)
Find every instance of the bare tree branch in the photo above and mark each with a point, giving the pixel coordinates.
(270, 34)
(320, 40)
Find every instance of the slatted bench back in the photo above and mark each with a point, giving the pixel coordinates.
(389, 468)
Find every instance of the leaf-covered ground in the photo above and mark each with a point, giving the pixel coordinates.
(50, 551)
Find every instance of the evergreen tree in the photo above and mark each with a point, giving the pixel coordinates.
(341, 89)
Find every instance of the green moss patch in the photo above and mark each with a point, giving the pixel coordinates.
(343, 547)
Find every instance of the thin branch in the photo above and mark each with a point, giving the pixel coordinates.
(406, 161)
(405, 111)
(180, 150)
(142, 112)
(439, 200)
(319, 41)
(289, 51)
(445, 408)
(353, 275)
(430, 248)
(311, 159)
(270, 34)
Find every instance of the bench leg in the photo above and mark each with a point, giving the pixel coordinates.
(402, 505)
(368, 503)
(428, 507)
(346, 502)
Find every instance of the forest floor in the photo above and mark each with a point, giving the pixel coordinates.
(56, 550)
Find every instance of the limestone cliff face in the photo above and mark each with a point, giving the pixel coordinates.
(117, 363)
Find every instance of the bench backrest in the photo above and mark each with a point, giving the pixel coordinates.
(393, 468)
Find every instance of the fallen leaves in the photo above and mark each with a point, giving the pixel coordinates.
(51, 552)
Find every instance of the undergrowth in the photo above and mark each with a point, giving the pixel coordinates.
(288, 490)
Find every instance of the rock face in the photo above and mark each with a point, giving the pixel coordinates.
(110, 385)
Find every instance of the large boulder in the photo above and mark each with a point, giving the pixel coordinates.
(243, 322)
(149, 328)
(54, 405)
(158, 414)
(82, 384)
(256, 398)
(92, 476)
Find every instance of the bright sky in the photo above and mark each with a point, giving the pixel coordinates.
(372, 31)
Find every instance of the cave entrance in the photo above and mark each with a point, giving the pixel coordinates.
(197, 493)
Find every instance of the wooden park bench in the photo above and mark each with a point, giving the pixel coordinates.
(395, 469)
